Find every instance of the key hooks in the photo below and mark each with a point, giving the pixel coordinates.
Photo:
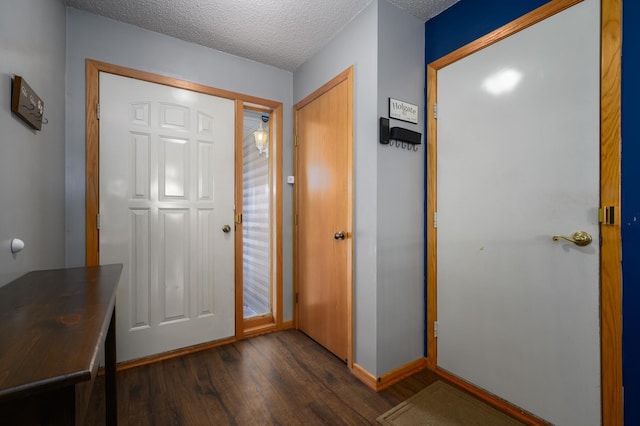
(401, 138)
(404, 145)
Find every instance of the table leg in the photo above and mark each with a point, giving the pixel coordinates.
(111, 397)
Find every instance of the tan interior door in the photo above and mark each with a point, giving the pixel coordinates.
(323, 128)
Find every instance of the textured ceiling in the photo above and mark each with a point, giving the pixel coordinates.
(282, 33)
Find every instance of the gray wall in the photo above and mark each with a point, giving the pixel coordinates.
(386, 47)
(401, 75)
(387, 321)
(32, 45)
(356, 45)
(94, 37)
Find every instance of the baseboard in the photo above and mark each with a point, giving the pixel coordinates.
(252, 332)
(364, 376)
(388, 379)
(172, 354)
(496, 402)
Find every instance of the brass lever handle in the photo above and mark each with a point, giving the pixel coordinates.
(579, 238)
(339, 235)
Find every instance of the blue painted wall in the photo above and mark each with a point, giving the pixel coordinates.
(631, 210)
(466, 21)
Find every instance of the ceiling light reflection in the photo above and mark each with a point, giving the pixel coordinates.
(502, 82)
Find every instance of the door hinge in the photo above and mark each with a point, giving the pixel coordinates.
(606, 215)
(296, 297)
(98, 221)
(98, 111)
(295, 141)
(435, 219)
(238, 218)
(435, 111)
(435, 329)
(295, 219)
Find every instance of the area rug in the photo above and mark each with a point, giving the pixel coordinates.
(443, 405)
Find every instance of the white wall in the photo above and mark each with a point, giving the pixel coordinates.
(356, 45)
(32, 45)
(400, 260)
(94, 37)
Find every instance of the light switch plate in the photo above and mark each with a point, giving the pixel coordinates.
(290, 179)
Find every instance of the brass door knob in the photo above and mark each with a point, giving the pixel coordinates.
(579, 238)
(339, 235)
(226, 229)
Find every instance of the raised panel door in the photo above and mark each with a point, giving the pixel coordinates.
(166, 191)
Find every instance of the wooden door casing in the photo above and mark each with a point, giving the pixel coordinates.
(92, 182)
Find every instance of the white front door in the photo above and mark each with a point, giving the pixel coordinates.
(517, 163)
(166, 192)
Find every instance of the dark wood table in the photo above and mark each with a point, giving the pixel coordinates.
(52, 325)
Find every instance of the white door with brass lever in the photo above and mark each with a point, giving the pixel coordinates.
(514, 310)
(579, 238)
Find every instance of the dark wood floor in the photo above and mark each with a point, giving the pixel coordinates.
(283, 378)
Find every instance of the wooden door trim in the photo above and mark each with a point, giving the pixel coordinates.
(92, 172)
(272, 321)
(239, 272)
(610, 183)
(346, 75)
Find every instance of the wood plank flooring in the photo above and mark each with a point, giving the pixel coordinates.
(283, 378)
